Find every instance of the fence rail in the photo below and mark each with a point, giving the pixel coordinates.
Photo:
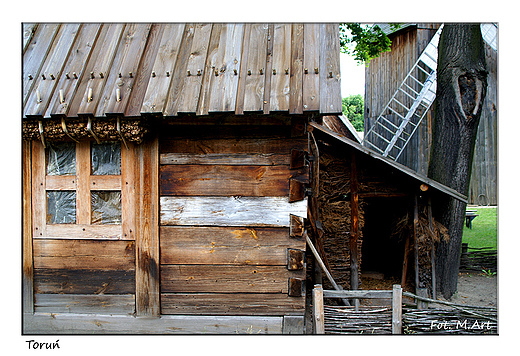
(451, 318)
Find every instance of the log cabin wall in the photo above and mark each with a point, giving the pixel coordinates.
(225, 241)
(384, 75)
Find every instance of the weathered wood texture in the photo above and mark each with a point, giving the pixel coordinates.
(225, 218)
(27, 256)
(166, 69)
(383, 77)
(66, 323)
(84, 304)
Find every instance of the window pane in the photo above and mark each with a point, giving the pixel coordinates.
(61, 207)
(106, 158)
(61, 159)
(106, 207)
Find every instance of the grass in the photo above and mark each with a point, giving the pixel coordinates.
(484, 229)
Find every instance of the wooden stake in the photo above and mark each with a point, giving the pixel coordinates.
(318, 310)
(397, 311)
(354, 224)
(416, 247)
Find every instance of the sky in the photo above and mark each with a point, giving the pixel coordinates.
(352, 76)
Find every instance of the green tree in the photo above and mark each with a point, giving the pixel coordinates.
(364, 42)
(353, 107)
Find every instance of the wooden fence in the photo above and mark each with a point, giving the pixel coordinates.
(478, 259)
(450, 318)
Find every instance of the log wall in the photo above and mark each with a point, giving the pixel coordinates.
(383, 77)
(225, 244)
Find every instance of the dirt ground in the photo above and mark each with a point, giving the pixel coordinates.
(477, 289)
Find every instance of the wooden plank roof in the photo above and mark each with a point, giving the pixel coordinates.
(130, 70)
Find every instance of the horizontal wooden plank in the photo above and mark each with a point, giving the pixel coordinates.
(105, 182)
(84, 304)
(60, 182)
(230, 211)
(238, 143)
(365, 294)
(84, 231)
(224, 180)
(226, 245)
(40, 323)
(84, 254)
(232, 304)
(81, 281)
(234, 159)
(225, 279)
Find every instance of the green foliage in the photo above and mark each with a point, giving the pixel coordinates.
(483, 232)
(364, 42)
(353, 107)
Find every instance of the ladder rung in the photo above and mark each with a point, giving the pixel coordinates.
(373, 145)
(391, 123)
(398, 102)
(381, 137)
(410, 96)
(409, 87)
(387, 129)
(418, 82)
(424, 70)
(401, 116)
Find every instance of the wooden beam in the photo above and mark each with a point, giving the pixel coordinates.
(147, 229)
(354, 224)
(415, 242)
(293, 324)
(65, 323)
(27, 262)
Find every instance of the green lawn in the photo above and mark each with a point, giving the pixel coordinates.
(484, 229)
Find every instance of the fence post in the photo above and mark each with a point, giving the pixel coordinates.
(397, 298)
(318, 312)
(422, 292)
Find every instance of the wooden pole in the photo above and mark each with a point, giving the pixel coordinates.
(416, 247)
(432, 254)
(27, 262)
(354, 225)
(405, 260)
(319, 314)
(397, 311)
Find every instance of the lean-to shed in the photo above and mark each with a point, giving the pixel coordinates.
(382, 79)
(166, 174)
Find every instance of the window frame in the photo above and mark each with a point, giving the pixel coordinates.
(82, 183)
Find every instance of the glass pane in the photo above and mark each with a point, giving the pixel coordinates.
(106, 158)
(61, 159)
(106, 207)
(61, 207)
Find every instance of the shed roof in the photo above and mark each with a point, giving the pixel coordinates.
(409, 172)
(130, 70)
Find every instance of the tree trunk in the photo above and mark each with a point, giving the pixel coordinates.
(461, 88)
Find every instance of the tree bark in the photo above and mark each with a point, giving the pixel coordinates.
(461, 88)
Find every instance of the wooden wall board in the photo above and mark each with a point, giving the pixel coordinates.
(83, 254)
(79, 57)
(281, 61)
(226, 180)
(83, 195)
(227, 59)
(101, 60)
(82, 281)
(128, 196)
(311, 60)
(43, 89)
(241, 88)
(189, 95)
(226, 245)
(231, 304)
(330, 76)
(28, 30)
(84, 232)
(240, 143)
(65, 323)
(39, 203)
(35, 56)
(84, 304)
(126, 61)
(230, 211)
(163, 67)
(233, 159)
(225, 279)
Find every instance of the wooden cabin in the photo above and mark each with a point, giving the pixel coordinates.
(165, 170)
(384, 75)
(171, 177)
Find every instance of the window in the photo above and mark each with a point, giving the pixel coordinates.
(77, 190)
